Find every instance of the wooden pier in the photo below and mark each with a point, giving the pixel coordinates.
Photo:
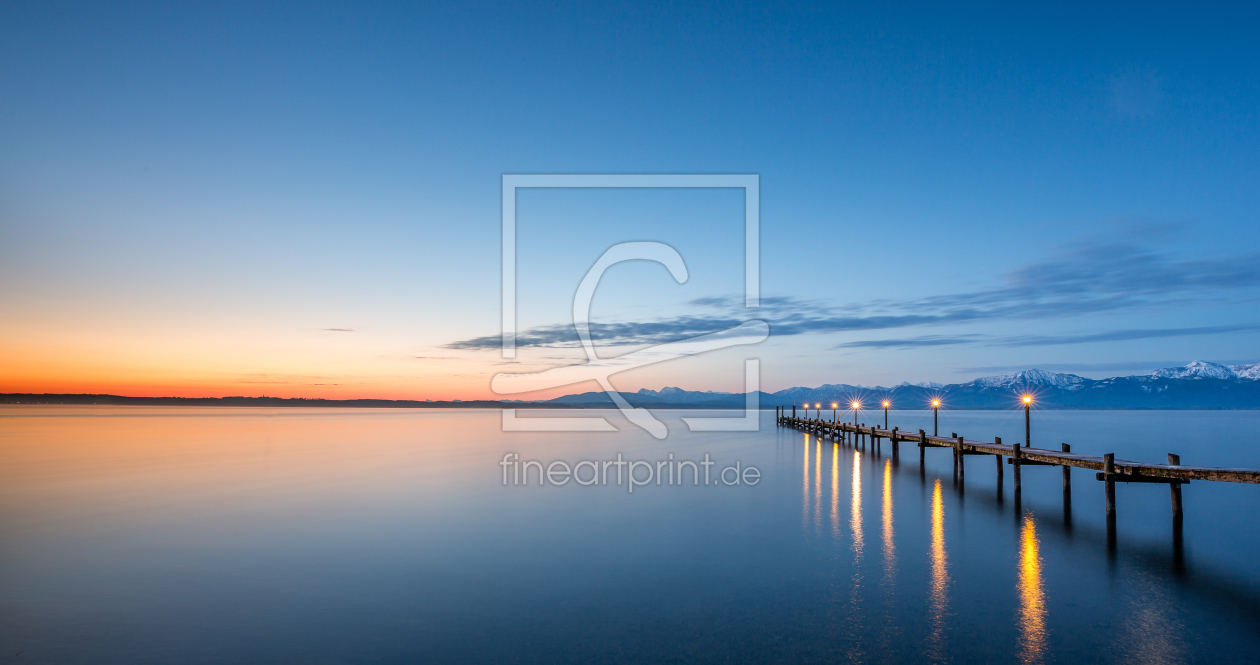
(1110, 470)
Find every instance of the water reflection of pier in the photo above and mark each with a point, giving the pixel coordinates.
(1149, 607)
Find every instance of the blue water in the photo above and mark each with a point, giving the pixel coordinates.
(158, 535)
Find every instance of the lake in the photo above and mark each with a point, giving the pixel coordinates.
(207, 535)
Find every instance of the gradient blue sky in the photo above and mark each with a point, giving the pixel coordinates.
(303, 199)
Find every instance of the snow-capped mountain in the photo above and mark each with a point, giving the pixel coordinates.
(678, 395)
(921, 384)
(1205, 370)
(1196, 385)
(1247, 372)
(1031, 378)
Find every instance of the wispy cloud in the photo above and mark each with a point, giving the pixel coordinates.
(913, 342)
(650, 332)
(1044, 340)
(338, 330)
(1077, 280)
(1139, 365)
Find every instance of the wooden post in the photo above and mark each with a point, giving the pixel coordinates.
(1016, 464)
(1175, 488)
(954, 435)
(922, 446)
(895, 444)
(1067, 491)
(1067, 473)
(1109, 476)
(1179, 552)
(998, 440)
(962, 460)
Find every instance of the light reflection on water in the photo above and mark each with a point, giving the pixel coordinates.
(1032, 601)
(316, 532)
(938, 605)
(818, 485)
(890, 547)
(855, 507)
(835, 491)
(805, 486)
(857, 615)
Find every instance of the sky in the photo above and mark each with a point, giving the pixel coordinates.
(206, 199)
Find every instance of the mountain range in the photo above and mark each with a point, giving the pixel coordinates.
(1198, 385)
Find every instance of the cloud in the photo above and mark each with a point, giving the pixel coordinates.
(1123, 335)
(926, 340)
(1077, 367)
(337, 329)
(650, 332)
(1108, 277)
(1045, 340)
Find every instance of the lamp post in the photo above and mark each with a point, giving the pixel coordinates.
(1027, 425)
(856, 406)
(833, 411)
(885, 414)
(936, 404)
(818, 411)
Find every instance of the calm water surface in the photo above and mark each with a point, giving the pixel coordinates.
(159, 535)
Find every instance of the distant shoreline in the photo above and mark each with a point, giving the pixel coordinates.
(303, 402)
